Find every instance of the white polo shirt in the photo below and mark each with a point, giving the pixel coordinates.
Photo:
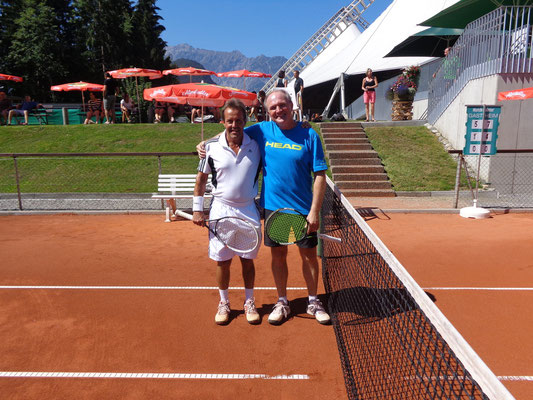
(234, 176)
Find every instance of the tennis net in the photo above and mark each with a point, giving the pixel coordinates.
(393, 342)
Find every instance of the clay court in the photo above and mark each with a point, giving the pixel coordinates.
(122, 306)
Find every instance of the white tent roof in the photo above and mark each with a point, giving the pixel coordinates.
(352, 53)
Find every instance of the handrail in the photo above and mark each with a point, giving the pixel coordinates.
(506, 151)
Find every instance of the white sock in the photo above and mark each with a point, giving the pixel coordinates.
(248, 293)
(223, 294)
(312, 298)
(284, 299)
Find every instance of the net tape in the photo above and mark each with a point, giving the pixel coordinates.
(388, 342)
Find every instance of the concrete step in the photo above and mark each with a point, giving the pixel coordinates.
(360, 177)
(352, 154)
(357, 169)
(345, 135)
(368, 193)
(328, 141)
(336, 130)
(363, 185)
(340, 125)
(352, 146)
(375, 161)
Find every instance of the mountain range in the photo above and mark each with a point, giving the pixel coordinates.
(221, 61)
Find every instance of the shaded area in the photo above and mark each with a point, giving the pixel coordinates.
(388, 347)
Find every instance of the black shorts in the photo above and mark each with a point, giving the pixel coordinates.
(306, 243)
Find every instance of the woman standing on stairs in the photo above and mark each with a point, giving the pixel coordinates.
(369, 85)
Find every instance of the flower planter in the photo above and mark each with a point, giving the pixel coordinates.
(402, 110)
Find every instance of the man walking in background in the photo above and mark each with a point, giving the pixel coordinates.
(110, 92)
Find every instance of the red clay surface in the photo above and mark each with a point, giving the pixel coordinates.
(149, 331)
(450, 251)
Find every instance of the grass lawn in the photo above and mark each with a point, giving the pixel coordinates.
(97, 174)
(413, 157)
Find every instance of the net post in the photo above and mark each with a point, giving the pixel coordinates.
(457, 180)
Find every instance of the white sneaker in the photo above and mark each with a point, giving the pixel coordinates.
(280, 312)
(252, 316)
(316, 308)
(222, 316)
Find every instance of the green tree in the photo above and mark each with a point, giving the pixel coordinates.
(104, 31)
(9, 11)
(33, 52)
(146, 36)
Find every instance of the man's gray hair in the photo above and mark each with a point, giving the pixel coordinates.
(234, 104)
(283, 92)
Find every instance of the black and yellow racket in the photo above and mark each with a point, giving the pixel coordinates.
(288, 226)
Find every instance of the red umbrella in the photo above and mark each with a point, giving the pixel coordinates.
(519, 94)
(198, 94)
(188, 71)
(243, 73)
(81, 86)
(13, 78)
(136, 72)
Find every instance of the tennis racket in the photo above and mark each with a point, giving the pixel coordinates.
(236, 233)
(288, 226)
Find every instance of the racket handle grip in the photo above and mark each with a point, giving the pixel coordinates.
(183, 214)
(330, 238)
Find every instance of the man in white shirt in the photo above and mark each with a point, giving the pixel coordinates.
(234, 162)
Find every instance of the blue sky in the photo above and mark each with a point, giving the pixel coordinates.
(272, 28)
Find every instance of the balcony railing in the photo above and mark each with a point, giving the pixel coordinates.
(497, 43)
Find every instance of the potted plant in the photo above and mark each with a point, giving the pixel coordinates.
(402, 93)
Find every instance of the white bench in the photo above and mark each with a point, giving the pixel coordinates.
(178, 186)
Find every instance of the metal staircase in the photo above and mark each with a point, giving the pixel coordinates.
(351, 14)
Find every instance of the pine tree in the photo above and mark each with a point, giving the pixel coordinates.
(105, 29)
(146, 35)
(33, 48)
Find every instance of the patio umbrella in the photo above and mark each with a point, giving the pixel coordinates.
(81, 86)
(519, 94)
(430, 42)
(188, 71)
(136, 72)
(463, 12)
(198, 94)
(243, 73)
(4, 77)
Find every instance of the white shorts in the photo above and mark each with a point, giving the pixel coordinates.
(217, 250)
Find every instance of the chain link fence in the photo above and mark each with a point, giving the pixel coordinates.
(95, 181)
(505, 179)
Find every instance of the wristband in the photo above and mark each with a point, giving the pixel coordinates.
(198, 203)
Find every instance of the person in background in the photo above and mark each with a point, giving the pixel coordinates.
(298, 92)
(127, 106)
(172, 110)
(94, 107)
(110, 93)
(160, 110)
(5, 106)
(282, 81)
(369, 85)
(258, 109)
(23, 109)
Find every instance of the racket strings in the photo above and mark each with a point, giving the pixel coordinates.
(286, 228)
(236, 233)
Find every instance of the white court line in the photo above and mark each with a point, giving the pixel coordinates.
(482, 288)
(140, 287)
(144, 375)
(71, 287)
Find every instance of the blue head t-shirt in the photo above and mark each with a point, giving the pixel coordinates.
(289, 157)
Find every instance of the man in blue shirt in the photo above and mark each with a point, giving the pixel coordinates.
(290, 154)
(23, 109)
